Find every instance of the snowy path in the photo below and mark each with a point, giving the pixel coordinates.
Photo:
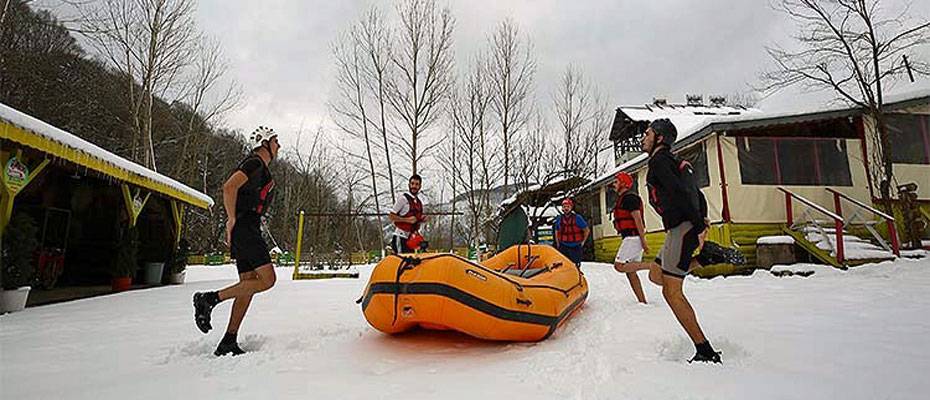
(862, 334)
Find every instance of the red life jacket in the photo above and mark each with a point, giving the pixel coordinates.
(569, 232)
(416, 210)
(623, 219)
(264, 197)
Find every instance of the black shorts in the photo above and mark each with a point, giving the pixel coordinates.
(399, 245)
(248, 247)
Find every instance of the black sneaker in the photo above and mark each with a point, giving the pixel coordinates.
(228, 348)
(712, 357)
(203, 306)
(704, 352)
(713, 253)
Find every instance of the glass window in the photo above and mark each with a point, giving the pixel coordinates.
(908, 135)
(793, 161)
(757, 163)
(697, 156)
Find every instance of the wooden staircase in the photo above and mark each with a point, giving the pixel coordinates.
(829, 240)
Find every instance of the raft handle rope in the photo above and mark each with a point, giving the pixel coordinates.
(406, 264)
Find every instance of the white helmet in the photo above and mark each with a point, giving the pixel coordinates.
(260, 136)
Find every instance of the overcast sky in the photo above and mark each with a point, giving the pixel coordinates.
(633, 50)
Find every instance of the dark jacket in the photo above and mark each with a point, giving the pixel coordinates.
(673, 192)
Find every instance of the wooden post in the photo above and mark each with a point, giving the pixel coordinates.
(837, 205)
(723, 183)
(11, 186)
(177, 214)
(788, 212)
(133, 207)
(300, 237)
(893, 235)
(840, 246)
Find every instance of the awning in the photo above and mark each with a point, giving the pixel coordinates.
(31, 132)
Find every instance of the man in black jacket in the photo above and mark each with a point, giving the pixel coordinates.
(675, 196)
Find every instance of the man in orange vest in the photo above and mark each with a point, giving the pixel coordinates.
(571, 231)
(628, 221)
(407, 215)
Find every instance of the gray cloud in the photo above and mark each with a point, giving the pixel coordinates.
(632, 49)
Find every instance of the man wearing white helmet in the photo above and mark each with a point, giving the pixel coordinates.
(246, 196)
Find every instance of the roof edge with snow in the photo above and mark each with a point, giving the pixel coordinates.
(29, 131)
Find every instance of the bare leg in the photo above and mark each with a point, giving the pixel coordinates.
(240, 305)
(637, 287)
(262, 280)
(630, 270)
(655, 274)
(672, 291)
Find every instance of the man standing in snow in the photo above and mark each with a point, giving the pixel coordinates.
(628, 221)
(407, 216)
(675, 196)
(571, 231)
(246, 196)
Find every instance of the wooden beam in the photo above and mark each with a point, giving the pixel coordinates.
(129, 201)
(177, 215)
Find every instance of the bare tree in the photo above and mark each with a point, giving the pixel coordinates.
(511, 69)
(423, 80)
(150, 43)
(350, 106)
(855, 48)
(534, 156)
(208, 98)
(375, 38)
(583, 120)
(3, 11)
(471, 159)
(748, 99)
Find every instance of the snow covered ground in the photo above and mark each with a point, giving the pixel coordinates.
(860, 334)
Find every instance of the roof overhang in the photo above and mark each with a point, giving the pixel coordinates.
(25, 130)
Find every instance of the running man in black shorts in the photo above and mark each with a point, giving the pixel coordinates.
(675, 196)
(246, 196)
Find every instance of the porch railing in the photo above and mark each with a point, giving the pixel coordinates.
(838, 220)
(895, 246)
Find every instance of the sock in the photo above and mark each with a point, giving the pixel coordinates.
(229, 338)
(212, 297)
(704, 348)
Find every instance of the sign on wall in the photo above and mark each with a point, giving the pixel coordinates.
(15, 175)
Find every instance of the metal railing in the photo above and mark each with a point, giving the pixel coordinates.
(895, 246)
(838, 221)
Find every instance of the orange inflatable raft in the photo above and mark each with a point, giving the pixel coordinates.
(522, 294)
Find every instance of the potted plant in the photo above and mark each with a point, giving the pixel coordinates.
(124, 264)
(18, 269)
(178, 263)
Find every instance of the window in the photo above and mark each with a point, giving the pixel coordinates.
(697, 156)
(793, 161)
(909, 135)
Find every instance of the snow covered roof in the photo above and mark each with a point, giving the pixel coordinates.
(32, 132)
(788, 107)
(687, 118)
(690, 129)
